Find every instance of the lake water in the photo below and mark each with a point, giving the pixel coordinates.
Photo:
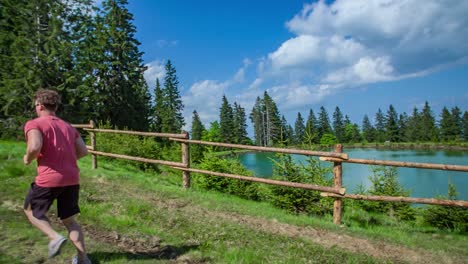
(424, 183)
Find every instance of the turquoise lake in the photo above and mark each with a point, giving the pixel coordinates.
(424, 183)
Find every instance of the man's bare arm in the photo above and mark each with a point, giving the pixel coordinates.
(80, 148)
(34, 146)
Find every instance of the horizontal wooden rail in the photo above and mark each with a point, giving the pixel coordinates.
(81, 126)
(459, 203)
(267, 149)
(267, 181)
(119, 156)
(151, 134)
(400, 164)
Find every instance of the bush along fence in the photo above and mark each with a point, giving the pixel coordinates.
(337, 157)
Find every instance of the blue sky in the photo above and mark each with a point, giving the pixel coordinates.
(357, 55)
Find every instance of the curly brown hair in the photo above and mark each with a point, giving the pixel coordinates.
(49, 98)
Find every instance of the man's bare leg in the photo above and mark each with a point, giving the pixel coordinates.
(43, 225)
(76, 236)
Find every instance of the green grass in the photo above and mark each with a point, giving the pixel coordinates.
(131, 216)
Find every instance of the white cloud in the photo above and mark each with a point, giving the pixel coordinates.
(204, 97)
(295, 95)
(350, 43)
(155, 71)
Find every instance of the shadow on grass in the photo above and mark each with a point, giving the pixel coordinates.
(163, 253)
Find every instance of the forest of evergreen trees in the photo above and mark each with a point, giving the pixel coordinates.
(271, 128)
(88, 54)
(91, 56)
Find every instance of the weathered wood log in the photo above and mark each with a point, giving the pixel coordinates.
(459, 203)
(266, 149)
(93, 145)
(267, 181)
(400, 164)
(119, 156)
(81, 126)
(151, 134)
(337, 179)
(186, 161)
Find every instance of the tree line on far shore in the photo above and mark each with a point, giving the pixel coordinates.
(271, 128)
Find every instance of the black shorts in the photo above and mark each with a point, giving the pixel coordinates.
(41, 198)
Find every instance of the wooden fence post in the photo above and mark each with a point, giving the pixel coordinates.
(186, 161)
(93, 144)
(337, 177)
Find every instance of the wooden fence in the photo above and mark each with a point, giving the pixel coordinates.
(337, 157)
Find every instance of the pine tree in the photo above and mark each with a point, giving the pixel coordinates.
(266, 120)
(272, 120)
(240, 125)
(158, 109)
(403, 127)
(285, 137)
(37, 40)
(368, 131)
(338, 125)
(447, 125)
(413, 132)
(391, 125)
(257, 118)
(122, 95)
(380, 126)
(465, 126)
(311, 134)
(226, 121)
(172, 119)
(196, 134)
(299, 129)
(323, 123)
(456, 115)
(428, 128)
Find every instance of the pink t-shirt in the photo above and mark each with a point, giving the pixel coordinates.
(56, 164)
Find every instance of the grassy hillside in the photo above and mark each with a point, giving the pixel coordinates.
(133, 217)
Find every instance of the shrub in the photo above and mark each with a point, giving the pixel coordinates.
(244, 189)
(385, 183)
(452, 218)
(298, 200)
(131, 145)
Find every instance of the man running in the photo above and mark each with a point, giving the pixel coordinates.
(56, 146)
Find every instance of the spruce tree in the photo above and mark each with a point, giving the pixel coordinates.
(465, 126)
(311, 135)
(196, 134)
(368, 131)
(391, 125)
(299, 129)
(403, 127)
(323, 123)
(338, 125)
(37, 40)
(158, 109)
(457, 118)
(286, 135)
(122, 92)
(240, 125)
(172, 119)
(413, 131)
(429, 130)
(257, 118)
(380, 126)
(447, 125)
(266, 120)
(272, 120)
(226, 121)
